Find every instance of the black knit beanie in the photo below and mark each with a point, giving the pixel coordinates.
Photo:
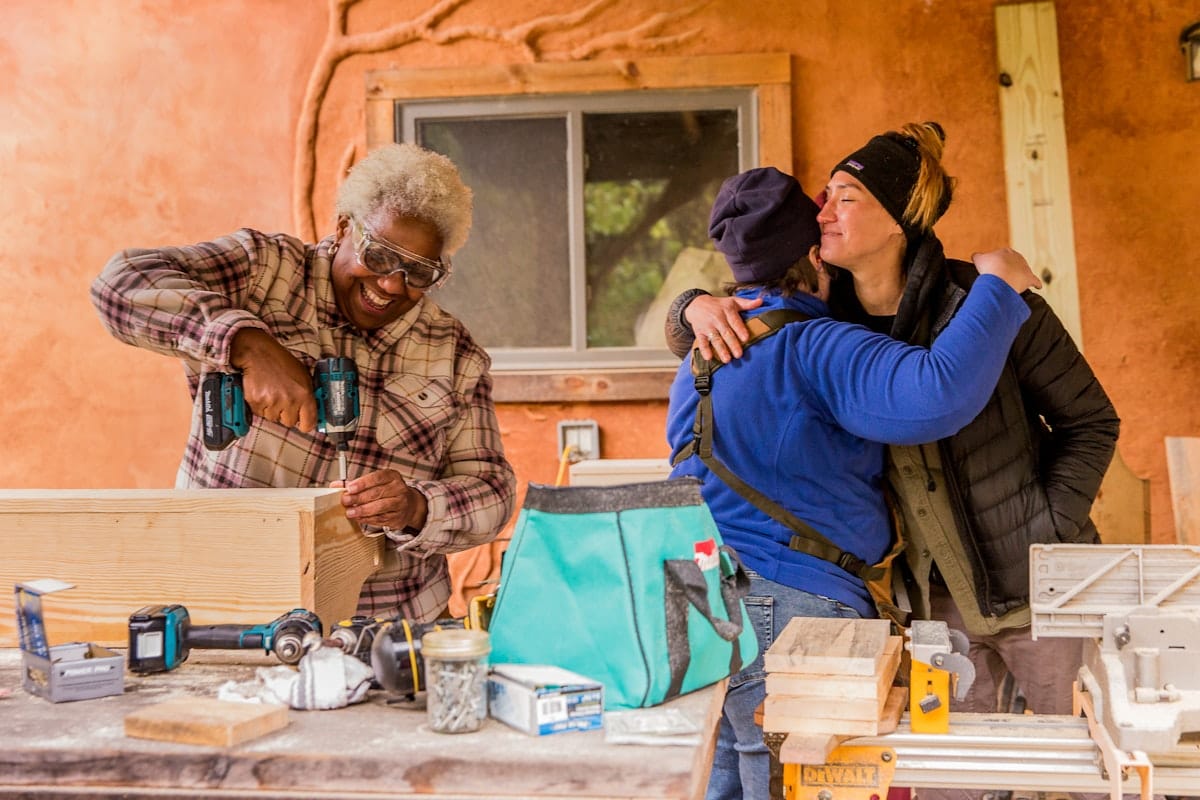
(888, 166)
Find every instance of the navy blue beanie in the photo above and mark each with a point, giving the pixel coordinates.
(763, 222)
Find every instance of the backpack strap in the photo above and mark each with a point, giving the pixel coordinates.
(805, 539)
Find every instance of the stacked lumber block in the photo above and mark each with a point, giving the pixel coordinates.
(828, 680)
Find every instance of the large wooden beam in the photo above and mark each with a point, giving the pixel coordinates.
(1040, 220)
(228, 555)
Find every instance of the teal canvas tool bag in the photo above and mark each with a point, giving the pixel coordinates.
(628, 585)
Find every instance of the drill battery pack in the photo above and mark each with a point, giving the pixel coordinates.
(225, 415)
(156, 638)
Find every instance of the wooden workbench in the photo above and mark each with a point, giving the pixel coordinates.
(375, 749)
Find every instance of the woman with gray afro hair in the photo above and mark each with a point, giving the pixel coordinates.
(405, 180)
(423, 464)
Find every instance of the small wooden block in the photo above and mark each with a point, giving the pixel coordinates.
(850, 687)
(896, 703)
(797, 749)
(817, 707)
(842, 687)
(808, 725)
(830, 646)
(203, 720)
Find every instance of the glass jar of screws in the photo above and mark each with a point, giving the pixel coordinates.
(456, 666)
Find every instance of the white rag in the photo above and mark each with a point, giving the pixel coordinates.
(328, 678)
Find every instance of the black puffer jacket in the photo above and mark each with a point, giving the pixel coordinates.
(1027, 469)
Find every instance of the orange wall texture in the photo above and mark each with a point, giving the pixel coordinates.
(130, 123)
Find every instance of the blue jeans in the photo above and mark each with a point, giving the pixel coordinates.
(741, 767)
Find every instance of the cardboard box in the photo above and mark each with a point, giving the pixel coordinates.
(72, 671)
(543, 699)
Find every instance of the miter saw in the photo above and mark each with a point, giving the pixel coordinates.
(1138, 607)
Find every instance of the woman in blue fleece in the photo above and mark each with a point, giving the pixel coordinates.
(803, 417)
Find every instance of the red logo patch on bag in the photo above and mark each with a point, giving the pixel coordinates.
(705, 554)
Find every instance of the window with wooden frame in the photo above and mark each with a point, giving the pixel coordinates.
(592, 181)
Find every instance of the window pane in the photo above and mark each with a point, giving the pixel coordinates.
(511, 282)
(650, 182)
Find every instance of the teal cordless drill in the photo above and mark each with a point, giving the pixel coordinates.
(226, 415)
(161, 636)
(335, 386)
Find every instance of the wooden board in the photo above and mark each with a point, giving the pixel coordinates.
(240, 556)
(590, 75)
(829, 646)
(847, 687)
(203, 720)
(818, 707)
(1122, 507)
(1040, 221)
(811, 749)
(806, 725)
(1183, 469)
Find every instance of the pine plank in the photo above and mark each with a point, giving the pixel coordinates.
(813, 726)
(1041, 225)
(204, 720)
(818, 707)
(814, 749)
(848, 687)
(897, 701)
(829, 646)
(1121, 510)
(1183, 470)
(591, 75)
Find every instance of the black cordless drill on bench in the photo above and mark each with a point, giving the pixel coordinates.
(161, 637)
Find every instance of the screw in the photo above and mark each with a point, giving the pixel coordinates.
(1006, 79)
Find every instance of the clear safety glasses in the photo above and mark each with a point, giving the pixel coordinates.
(385, 258)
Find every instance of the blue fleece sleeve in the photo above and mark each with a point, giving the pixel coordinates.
(887, 391)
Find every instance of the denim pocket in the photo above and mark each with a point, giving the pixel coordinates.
(761, 611)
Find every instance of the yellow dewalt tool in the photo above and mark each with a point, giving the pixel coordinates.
(479, 614)
(851, 772)
(939, 663)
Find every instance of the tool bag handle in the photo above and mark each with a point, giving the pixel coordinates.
(685, 586)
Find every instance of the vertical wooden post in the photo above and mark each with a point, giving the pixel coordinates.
(1035, 153)
(775, 126)
(1183, 469)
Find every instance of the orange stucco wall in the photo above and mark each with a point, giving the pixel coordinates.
(125, 123)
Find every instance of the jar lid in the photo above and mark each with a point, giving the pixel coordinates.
(455, 643)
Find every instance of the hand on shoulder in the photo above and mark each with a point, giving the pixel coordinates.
(1009, 266)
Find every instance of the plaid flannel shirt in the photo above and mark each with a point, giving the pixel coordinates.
(424, 390)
